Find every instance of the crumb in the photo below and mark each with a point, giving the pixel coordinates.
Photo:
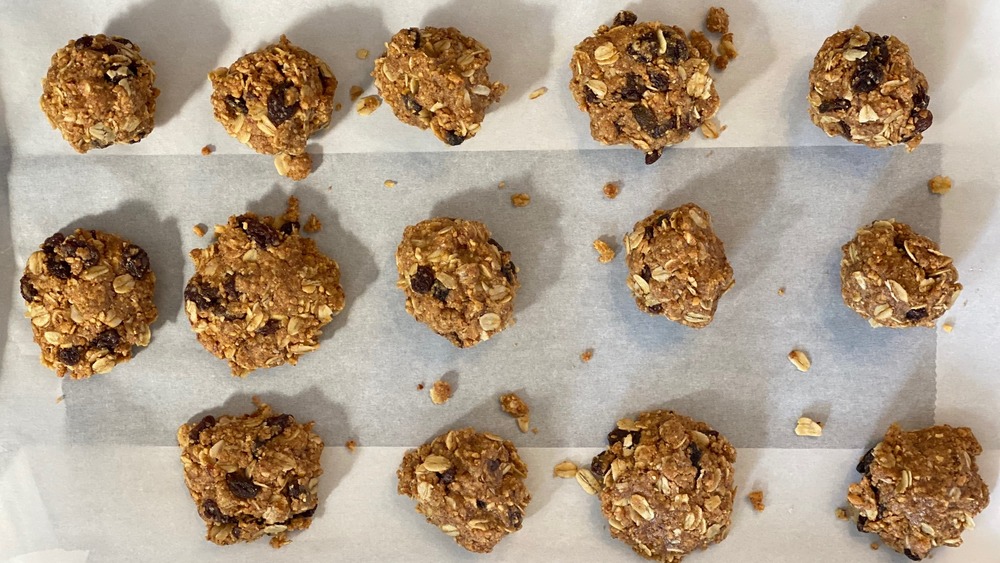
(939, 185)
(948, 327)
(711, 129)
(420, 386)
(362, 54)
(520, 200)
(717, 20)
(700, 42)
(611, 190)
(537, 93)
(841, 514)
(604, 251)
(800, 360)
(356, 92)
(808, 427)
(726, 47)
(199, 230)
(502, 185)
(389, 183)
(280, 541)
(565, 470)
(781, 291)
(60, 399)
(721, 63)
(534, 430)
(329, 188)
(440, 392)
(338, 107)
(587, 355)
(757, 500)
(368, 105)
(312, 224)
(517, 408)
(207, 150)
(874, 546)
(351, 445)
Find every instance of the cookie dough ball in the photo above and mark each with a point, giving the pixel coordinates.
(667, 484)
(457, 280)
(469, 484)
(894, 277)
(99, 91)
(436, 78)
(252, 475)
(677, 267)
(262, 293)
(273, 100)
(864, 87)
(642, 84)
(90, 299)
(920, 489)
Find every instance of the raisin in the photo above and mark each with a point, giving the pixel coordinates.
(493, 465)
(634, 88)
(867, 77)
(912, 556)
(84, 42)
(70, 355)
(649, 232)
(590, 96)
(237, 531)
(601, 463)
(509, 271)
(411, 104)
(496, 244)
(440, 292)
(107, 339)
(415, 34)
(306, 513)
(866, 461)
(241, 486)
(136, 261)
(203, 424)
(878, 49)
(694, 452)
(916, 314)
(210, 511)
(446, 477)
(619, 435)
(921, 99)
(659, 81)
(645, 48)
(655, 309)
(277, 111)
(280, 421)
(481, 504)
(677, 47)
(845, 130)
(625, 17)
(261, 233)
(647, 121)
(269, 328)
(289, 227)
(76, 248)
(423, 280)
(109, 49)
(204, 296)
(514, 517)
(838, 104)
(296, 490)
(922, 120)
(652, 157)
(645, 273)
(57, 267)
(453, 138)
(28, 291)
(862, 520)
(238, 105)
(229, 287)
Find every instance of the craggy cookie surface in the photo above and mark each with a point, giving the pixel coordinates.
(920, 489)
(677, 265)
(261, 293)
(667, 484)
(894, 277)
(865, 88)
(457, 280)
(436, 78)
(90, 299)
(99, 91)
(252, 475)
(272, 100)
(468, 484)
(643, 84)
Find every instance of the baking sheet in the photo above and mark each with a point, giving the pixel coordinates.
(74, 474)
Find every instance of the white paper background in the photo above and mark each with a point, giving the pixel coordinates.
(98, 475)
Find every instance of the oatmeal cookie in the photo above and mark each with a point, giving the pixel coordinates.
(252, 475)
(864, 87)
(643, 84)
(262, 293)
(920, 489)
(457, 280)
(894, 277)
(677, 266)
(99, 91)
(273, 100)
(436, 78)
(666, 484)
(90, 299)
(469, 484)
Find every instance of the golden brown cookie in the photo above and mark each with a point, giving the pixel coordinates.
(666, 484)
(262, 293)
(273, 100)
(920, 489)
(90, 299)
(894, 277)
(436, 78)
(457, 280)
(643, 84)
(865, 88)
(99, 91)
(468, 484)
(252, 475)
(677, 266)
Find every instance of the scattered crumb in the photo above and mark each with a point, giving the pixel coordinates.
(502, 185)
(389, 183)
(726, 47)
(939, 185)
(199, 230)
(312, 224)
(757, 500)
(351, 445)
(874, 546)
(781, 291)
(537, 93)
(338, 107)
(362, 54)
(700, 42)
(520, 200)
(356, 92)
(534, 430)
(948, 327)
(280, 540)
(711, 129)
(368, 105)
(420, 386)
(440, 392)
(808, 427)
(604, 251)
(721, 63)
(587, 355)
(800, 360)
(587, 481)
(717, 20)
(841, 514)
(517, 408)
(565, 470)
(207, 150)
(60, 399)
(611, 190)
